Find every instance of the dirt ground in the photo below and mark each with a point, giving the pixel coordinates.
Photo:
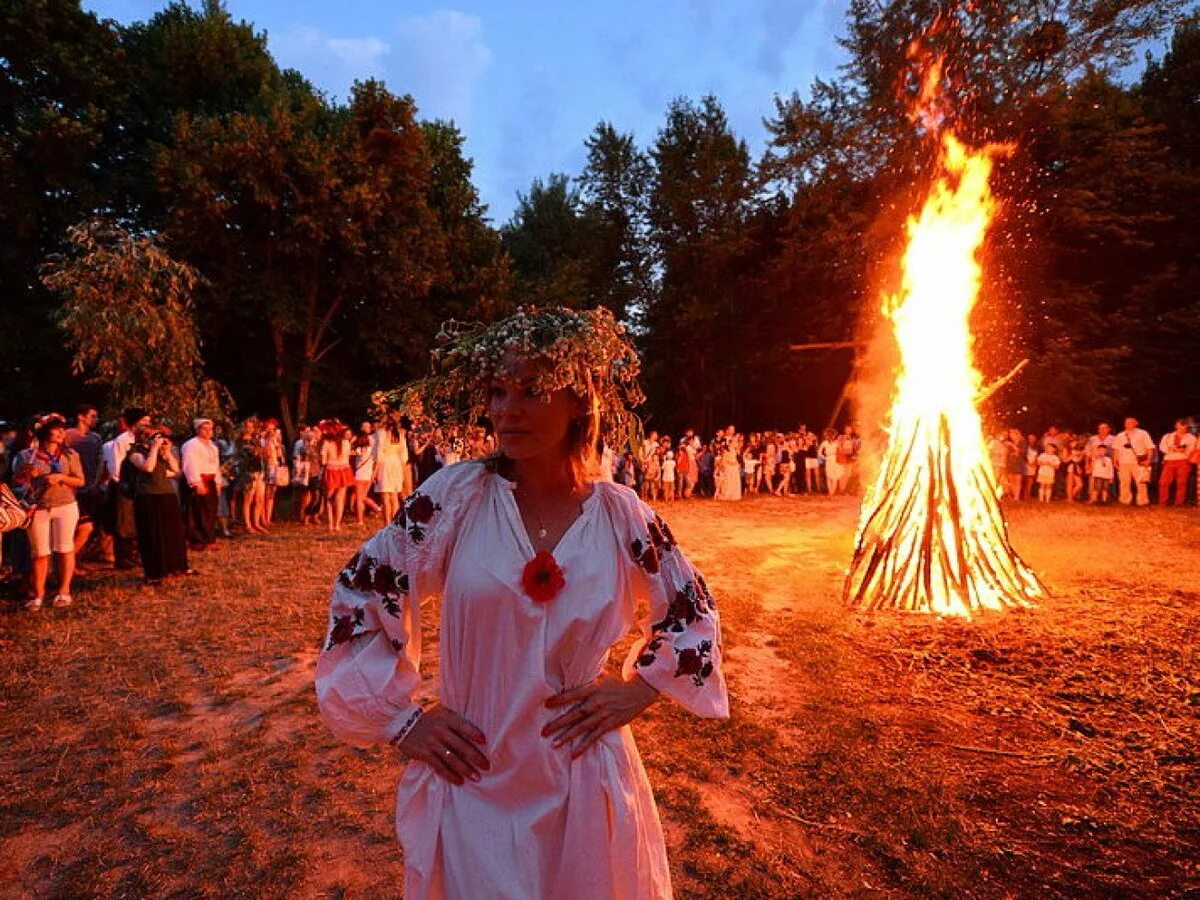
(165, 742)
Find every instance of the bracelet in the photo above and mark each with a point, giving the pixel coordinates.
(409, 724)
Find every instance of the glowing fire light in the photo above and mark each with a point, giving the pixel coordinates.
(932, 536)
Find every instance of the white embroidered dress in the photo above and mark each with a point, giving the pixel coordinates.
(538, 824)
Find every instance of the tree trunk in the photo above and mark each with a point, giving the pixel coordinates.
(285, 405)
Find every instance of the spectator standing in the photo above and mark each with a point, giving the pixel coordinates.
(86, 441)
(1133, 448)
(120, 518)
(1102, 475)
(159, 518)
(391, 462)
(53, 473)
(1176, 448)
(1047, 470)
(668, 476)
(336, 474)
(202, 473)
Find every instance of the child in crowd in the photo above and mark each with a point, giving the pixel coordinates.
(1076, 477)
(651, 473)
(668, 476)
(1102, 475)
(1047, 470)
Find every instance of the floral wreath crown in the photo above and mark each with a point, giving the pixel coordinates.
(587, 351)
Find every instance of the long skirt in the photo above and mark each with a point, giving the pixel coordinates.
(160, 535)
(202, 514)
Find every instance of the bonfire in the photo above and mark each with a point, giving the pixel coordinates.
(932, 536)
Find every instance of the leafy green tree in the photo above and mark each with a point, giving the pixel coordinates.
(313, 221)
(547, 239)
(700, 202)
(128, 318)
(60, 73)
(183, 60)
(614, 191)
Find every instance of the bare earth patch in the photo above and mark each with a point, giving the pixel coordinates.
(165, 742)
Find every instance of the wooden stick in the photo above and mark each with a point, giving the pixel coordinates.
(812, 824)
(996, 385)
(987, 750)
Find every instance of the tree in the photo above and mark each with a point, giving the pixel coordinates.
(614, 190)
(699, 206)
(127, 316)
(183, 60)
(312, 221)
(60, 74)
(547, 239)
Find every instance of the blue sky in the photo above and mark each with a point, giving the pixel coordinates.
(527, 80)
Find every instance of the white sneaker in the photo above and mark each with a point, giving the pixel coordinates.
(62, 600)
(33, 603)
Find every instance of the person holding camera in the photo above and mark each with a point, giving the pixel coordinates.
(1133, 449)
(156, 509)
(52, 473)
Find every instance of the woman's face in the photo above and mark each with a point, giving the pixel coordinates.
(529, 424)
(56, 437)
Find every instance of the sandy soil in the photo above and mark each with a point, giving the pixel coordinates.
(165, 742)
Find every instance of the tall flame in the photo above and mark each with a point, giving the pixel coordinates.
(932, 536)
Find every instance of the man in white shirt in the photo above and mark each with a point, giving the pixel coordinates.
(120, 506)
(1176, 448)
(202, 472)
(1133, 448)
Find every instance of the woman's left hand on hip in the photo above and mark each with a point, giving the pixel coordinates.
(596, 708)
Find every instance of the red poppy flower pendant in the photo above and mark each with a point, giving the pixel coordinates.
(542, 578)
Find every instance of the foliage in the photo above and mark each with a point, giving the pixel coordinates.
(586, 351)
(314, 223)
(547, 240)
(699, 206)
(127, 315)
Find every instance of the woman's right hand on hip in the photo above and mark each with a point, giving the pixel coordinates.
(449, 743)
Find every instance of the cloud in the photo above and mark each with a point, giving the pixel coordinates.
(333, 64)
(439, 58)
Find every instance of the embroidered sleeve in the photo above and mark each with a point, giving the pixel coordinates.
(368, 670)
(680, 652)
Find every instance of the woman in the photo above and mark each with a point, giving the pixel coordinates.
(1014, 463)
(336, 475)
(391, 459)
(252, 481)
(729, 486)
(524, 780)
(828, 451)
(364, 472)
(156, 511)
(52, 473)
(274, 469)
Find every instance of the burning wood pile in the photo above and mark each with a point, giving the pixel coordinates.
(932, 537)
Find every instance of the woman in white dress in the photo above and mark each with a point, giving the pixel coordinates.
(391, 461)
(834, 473)
(729, 480)
(523, 779)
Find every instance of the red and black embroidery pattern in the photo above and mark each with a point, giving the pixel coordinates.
(345, 627)
(415, 514)
(367, 575)
(695, 662)
(691, 601)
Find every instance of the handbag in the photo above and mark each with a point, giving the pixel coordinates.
(13, 513)
(283, 477)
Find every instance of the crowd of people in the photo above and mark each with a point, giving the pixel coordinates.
(144, 498)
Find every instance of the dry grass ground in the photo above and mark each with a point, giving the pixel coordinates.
(165, 742)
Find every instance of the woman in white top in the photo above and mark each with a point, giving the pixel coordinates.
(523, 778)
(391, 461)
(336, 475)
(834, 471)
